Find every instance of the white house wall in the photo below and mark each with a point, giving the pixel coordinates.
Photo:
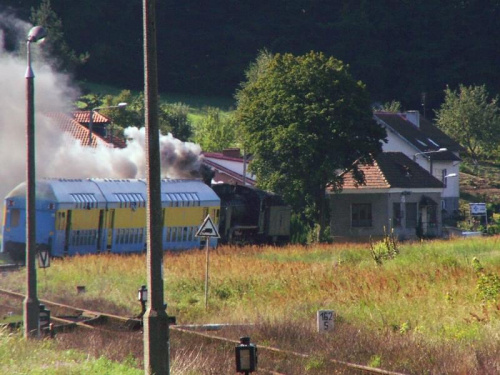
(451, 192)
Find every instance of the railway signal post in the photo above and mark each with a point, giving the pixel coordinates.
(207, 230)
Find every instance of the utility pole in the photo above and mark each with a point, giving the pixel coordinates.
(155, 320)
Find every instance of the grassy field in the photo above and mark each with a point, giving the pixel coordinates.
(195, 102)
(439, 297)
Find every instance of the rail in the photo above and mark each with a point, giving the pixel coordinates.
(129, 322)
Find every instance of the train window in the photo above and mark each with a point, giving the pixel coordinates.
(167, 235)
(179, 234)
(15, 215)
(205, 213)
(174, 234)
(184, 234)
(141, 235)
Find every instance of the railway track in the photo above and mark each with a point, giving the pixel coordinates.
(93, 320)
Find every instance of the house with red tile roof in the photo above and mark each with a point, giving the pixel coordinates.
(229, 167)
(427, 145)
(397, 195)
(77, 125)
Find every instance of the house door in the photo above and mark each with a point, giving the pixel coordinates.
(428, 220)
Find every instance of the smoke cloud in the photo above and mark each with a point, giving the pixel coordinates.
(58, 154)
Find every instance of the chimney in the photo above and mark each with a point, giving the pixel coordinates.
(413, 117)
(231, 153)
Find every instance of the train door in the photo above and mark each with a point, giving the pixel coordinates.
(100, 229)
(110, 224)
(67, 232)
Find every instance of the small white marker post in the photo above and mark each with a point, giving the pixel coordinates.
(325, 320)
(207, 230)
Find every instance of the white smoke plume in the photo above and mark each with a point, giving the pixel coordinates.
(58, 154)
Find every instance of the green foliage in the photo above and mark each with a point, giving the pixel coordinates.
(471, 118)
(172, 118)
(299, 230)
(375, 361)
(488, 283)
(215, 131)
(393, 107)
(385, 249)
(488, 287)
(315, 363)
(176, 116)
(66, 58)
(304, 118)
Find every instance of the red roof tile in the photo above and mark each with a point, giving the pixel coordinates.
(83, 117)
(392, 170)
(77, 130)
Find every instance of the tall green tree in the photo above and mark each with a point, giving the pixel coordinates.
(305, 118)
(174, 119)
(57, 47)
(470, 117)
(215, 131)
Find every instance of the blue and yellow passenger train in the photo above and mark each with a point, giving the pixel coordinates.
(83, 216)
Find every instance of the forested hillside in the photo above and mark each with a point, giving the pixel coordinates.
(399, 49)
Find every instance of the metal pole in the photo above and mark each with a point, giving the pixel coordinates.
(156, 332)
(31, 303)
(206, 273)
(91, 124)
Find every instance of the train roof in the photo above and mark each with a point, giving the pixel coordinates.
(95, 190)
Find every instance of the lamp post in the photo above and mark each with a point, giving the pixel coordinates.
(91, 119)
(31, 303)
(442, 149)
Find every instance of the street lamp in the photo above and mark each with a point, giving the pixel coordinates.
(31, 303)
(91, 120)
(442, 149)
(142, 297)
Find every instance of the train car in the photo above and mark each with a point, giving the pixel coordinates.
(82, 216)
(250, 215)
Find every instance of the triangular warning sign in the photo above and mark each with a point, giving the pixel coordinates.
(207, 229)
(43, 258)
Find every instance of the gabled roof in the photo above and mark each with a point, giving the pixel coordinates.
(392, 170)
(83, 117)
(228, 166)
(424, 137)
(77, 130)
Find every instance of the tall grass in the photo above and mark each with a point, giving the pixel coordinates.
(427, 296)
(19, 356)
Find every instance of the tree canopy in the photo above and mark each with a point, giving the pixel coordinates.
(304, 118)
(471, 118)
(399, 49)
(215, 131)
(65, 57)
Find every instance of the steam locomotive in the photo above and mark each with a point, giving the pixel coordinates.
(83, 216)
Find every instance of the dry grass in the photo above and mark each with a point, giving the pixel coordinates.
(416, 313)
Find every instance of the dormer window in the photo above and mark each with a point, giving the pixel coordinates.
(431, 141)
(404, 170)
(422, 143)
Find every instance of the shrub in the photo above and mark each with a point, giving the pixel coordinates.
(385, 249)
